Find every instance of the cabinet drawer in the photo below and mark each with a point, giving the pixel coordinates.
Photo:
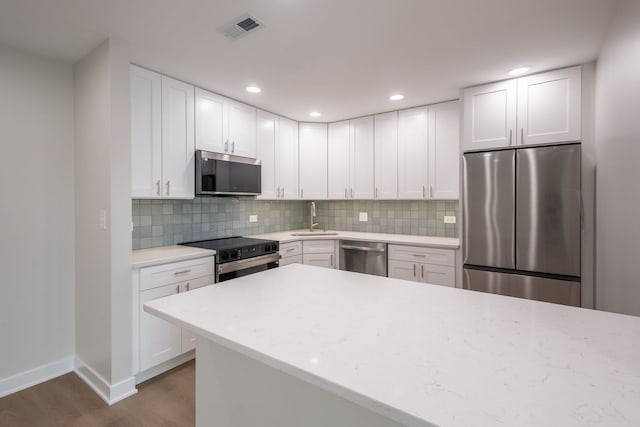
(296, 259)
(319, 246)
(423, 255)
(319, 260)
(175, 272)
(438, 275)
(290, 249)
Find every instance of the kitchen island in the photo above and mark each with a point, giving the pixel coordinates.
(307, 346)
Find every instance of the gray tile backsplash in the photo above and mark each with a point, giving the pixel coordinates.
(167, 222)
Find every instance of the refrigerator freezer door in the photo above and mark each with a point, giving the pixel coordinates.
(548, 210)
(521, 286)
(489, 208)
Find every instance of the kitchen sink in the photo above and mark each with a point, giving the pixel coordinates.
(315, 233)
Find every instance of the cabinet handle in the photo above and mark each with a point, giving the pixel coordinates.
(168, 187)
(158, 187)
(177, 289)
(419, 255)
(282, 192)
(431, 191)
(414, 270)
(345, 193)
(424, 192)
(188, 287)
(422, 271)
(352, 193)
(301, 193)
(510, 136)
(290, 249)
(376, 192)
(226, 146)
(521, 135)
(331, 260)
(233, 146)
(182, 272)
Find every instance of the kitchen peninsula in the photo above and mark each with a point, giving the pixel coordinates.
(302, 345)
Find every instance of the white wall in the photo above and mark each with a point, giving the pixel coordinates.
(102, 183)
(36, 214)
(618, 160)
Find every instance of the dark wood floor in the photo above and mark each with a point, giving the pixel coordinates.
(166, 400)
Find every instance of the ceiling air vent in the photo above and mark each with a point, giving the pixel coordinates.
(240, 26)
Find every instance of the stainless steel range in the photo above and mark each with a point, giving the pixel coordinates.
(240, 256)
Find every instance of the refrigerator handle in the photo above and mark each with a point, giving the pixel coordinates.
(581, 211)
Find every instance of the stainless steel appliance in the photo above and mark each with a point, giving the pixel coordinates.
(225, 175)
(240, 256)
(522, 222)
(363, 257)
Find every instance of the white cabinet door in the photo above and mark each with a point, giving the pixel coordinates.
(361, 163)
(178, 143)
(242, 129)
(549, 107)
(403, 270)
(412, 153)
(211, 126)
(146, 133)
(159, 340)
(287, 159)
(313, 161)
(319, 260)
(266, 141)
(490, 116)
(444, 152)
(189, 338)
(296, 259)
(438, 275)
(338, 160)
(386, 155)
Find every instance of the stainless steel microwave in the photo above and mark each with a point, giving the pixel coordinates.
(225, 175)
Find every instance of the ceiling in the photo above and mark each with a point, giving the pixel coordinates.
(340, 57)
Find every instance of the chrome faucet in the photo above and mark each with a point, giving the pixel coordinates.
(312, 216)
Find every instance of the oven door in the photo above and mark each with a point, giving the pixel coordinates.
(244, 267)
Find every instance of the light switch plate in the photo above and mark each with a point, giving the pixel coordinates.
(364, 216)
(449, 219)
(253, 218)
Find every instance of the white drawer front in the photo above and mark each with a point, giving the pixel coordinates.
(319, 246)
(439, 275)
(296, 259)
(290, 249)
(423, 255)
(175, 272)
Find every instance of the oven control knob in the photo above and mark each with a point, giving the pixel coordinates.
(267, 247)
(224, 255)
(238, 254)
(274, 246)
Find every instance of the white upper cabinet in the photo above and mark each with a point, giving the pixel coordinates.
(549, 107)
(178, 167)
(538, 109)
(444, 151)
(287, 159)
(361, 163)
(266, 141)
(225, 126)
(313, 161)
(162, 136)
(339, 186)
(146, 133)
(412, 153)
(278, 153)
(490, 116)
(386, 156)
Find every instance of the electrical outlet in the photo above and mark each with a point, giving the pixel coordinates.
(449, 219)
(364, 216)
(253, 218)
(102, 219)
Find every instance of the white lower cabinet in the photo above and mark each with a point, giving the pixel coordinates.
(160, 341)
(419, 264)
(291, 253)
(321, 253)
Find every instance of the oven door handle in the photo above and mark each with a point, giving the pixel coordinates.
(242, 264)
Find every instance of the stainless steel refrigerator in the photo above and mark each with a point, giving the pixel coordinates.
(522, 222)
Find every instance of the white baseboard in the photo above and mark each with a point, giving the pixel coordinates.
(164, 367)
(110, 393)
(35, 376)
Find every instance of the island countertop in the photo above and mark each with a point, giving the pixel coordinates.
(425, 355)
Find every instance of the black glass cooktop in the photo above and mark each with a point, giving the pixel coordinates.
(227, 243)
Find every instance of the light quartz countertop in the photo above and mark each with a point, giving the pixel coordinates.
(401, 239)
(424, 354)
(166, 254)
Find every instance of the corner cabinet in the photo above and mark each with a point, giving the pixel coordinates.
(321, 253)
(162, 136)
(224, 125)
(542, 108)
(277, 149)
(313, 161)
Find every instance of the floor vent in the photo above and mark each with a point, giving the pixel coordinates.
(240, 26)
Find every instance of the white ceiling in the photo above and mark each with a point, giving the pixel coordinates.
(341, 57)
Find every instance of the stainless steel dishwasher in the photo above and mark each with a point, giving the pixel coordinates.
(363, 257)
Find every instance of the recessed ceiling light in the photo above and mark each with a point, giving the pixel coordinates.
(254, 89)
(518, 71)
(314, 114)
(396, 97)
